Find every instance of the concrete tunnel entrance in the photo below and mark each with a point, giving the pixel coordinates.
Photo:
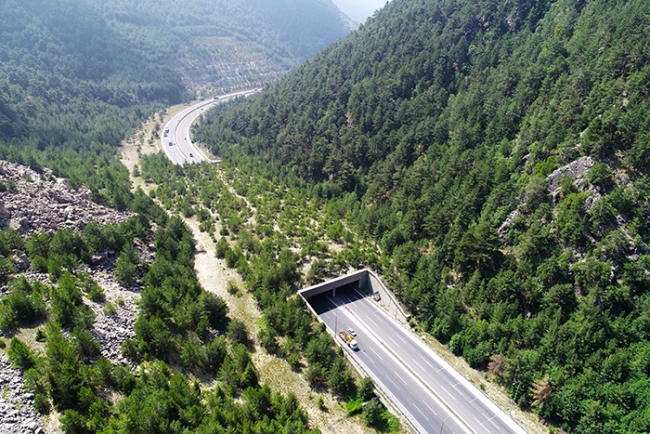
(364, 281)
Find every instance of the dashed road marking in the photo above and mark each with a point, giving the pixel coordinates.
(398, 376)
(490, 420)
(452, 396)
(421, 412)
(432, 410)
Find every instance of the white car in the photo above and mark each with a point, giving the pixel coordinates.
(351, 331)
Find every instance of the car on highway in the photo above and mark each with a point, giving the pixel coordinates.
(351, 331)
(171, 144)
(191, 155)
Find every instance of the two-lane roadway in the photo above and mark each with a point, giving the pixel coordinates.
(175, 136)
(432, 395)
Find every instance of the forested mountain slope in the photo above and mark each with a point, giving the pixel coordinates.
(227, 43)
(77, 75)
(498, 152)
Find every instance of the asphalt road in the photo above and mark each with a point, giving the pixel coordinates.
(427, 390)
(182, 150)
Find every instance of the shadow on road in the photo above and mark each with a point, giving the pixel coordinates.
(323, 303)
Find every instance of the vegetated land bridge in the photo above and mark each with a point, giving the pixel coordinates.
(364, 281)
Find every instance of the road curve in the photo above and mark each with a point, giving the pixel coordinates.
(430, 393)
(175, 136)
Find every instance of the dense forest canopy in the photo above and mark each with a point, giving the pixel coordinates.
(77, 76)
(499, 153)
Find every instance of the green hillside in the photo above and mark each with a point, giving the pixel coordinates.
(77, 76)
(227, 43)
(498, 153)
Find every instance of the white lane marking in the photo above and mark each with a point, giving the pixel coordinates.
(503, 417)
(419, 366)
(421, 412)
(391, 339)
(453, 397)
(376, 354)
(428, 363)
(368, 318)
(418, 382)
(400, 378)
(490, 420)
(482, 425)
(432, 410)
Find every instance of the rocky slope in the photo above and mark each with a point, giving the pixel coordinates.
(33, 202)
(17, 414)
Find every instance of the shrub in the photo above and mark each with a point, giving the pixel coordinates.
(42, 404)
(20, 355)
(294, 361)
(268, 340)
(214, 307)
(232, 287)
(40, 335)
(366, 389)
(237, 331)
(110, 309)
(72, 422)
(39, 264)
(372, 412)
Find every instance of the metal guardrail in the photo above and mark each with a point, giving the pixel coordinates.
(391, 404)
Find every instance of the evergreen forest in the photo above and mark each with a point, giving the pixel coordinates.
(497, 153)
(78, 76)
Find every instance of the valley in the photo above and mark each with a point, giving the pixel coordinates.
(489, 160)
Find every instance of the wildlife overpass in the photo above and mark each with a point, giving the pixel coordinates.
(364, 281)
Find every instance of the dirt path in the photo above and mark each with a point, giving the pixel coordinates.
(213, 274)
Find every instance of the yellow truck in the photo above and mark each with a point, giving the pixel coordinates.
(349, 340)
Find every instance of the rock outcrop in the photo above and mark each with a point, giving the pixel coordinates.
(114, 328)
(4, 212)
(17, 414)
(36, 202)
(577, 170)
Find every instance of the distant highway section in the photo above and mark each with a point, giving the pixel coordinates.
(175, 135)
(430, 393)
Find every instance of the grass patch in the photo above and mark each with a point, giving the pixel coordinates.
(354, 406)
(110, 309)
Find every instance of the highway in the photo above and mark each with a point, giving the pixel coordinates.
(430, 393)
(182, 150)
